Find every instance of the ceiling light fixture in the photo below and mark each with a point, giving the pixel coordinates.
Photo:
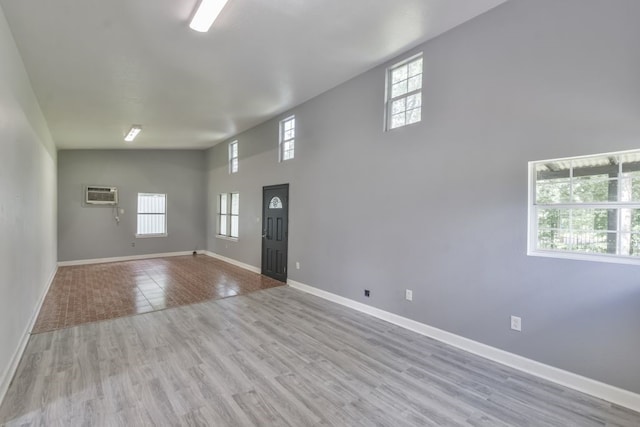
(207, 12)
(133, 132)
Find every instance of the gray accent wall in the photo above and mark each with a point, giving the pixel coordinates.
(440, 207)
(90, 232)
(27, 203)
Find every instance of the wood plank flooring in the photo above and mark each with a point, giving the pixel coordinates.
(277, 357)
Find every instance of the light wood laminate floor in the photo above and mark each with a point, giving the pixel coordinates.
(277, 357)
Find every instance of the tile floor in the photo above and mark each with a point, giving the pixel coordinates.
(88, 293)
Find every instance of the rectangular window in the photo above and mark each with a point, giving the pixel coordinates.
(233, 157)
(152, 215)
(228, 214)
(287, 138)
(586, 207)
(404, 93)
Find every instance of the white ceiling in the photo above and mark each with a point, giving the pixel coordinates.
(99, 66)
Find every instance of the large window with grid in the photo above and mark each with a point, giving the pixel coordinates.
(152, 215)
(228, 215)
(404, 93)
(287, 138)
(233, 157)
(586, 207)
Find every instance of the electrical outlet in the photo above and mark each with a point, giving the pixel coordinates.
(408, 295)
(133, 244)
(516, 323)
(367, 293)
(297, 265)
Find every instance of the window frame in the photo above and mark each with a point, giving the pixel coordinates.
(617, 206)
(234, 162)
(389, 99)
(138, 213)
(227, 216)
(282, 140)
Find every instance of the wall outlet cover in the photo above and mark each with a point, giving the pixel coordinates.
(516, 323)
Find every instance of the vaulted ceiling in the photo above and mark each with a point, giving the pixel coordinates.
(99, 66)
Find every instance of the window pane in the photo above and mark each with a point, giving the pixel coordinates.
(235, 203)
(630, 220)
(554, 239)
(414, 101)
(414, 83)
(397, 120)
(223, 225)
(234, 226)
(223, 203)
(289, 124)
(151, 203)
(415, 67)
(234, 165)
(630, 187)
(594, 219)
(629, 244)
(594, 188)
(289, 134)
(151, 224)
(551, 219)
(553, 191)
(593, 242)
(399, 89)
(399, 74)
(414, 115)
(398, 106)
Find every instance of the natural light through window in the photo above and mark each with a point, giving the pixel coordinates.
(586, 207)
(233, 157)
(404, 93)
(287, 138)
(229, 215)
(152, 215)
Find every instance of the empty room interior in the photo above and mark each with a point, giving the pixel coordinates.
(306, 213)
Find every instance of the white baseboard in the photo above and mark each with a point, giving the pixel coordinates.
(568, 379)
(233, 261)
(7, 376)
(122, 258)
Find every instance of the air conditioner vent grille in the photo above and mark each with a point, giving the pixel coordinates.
(101, 195)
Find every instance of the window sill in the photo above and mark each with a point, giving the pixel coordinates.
(614, 259)
(223, 237)
(146, 236)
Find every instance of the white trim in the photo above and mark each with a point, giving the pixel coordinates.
(233, 261)
(7, 376)
(568, 379)
(121, 258)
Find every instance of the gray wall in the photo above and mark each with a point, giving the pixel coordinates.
(441, 207)
(88, 232)
(27, 202)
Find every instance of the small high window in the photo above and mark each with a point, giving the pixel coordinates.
(228, 214)
(233, 157)
(287, 138)
(586, 207)
(404, 93)
(152, 215)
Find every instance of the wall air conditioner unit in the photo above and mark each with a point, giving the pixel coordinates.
(101, 195)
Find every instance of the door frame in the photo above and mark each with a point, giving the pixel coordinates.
(286, 232)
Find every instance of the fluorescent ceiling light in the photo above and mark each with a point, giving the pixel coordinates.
(207, 12)
(133, 132)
